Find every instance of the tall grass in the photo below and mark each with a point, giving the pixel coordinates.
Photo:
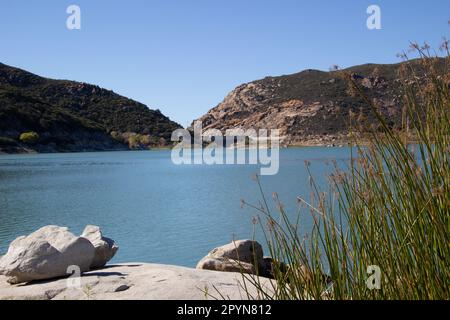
(389, 208)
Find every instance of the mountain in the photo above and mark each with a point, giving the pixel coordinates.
(312, 107)
(63, 116)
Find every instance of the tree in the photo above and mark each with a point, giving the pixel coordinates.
(29, 137)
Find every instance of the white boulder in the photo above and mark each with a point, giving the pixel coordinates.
(44, 254)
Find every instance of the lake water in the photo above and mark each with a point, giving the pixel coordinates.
(156, 211)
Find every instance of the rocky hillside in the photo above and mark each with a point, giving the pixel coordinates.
(62, 115)
(310, 107)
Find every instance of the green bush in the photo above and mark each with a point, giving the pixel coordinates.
(29, 137)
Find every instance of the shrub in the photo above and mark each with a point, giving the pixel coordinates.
(29, 137)
(135, 141)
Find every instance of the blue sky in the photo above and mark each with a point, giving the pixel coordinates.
(184, 56)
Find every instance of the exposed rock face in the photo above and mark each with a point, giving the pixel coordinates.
(240, 255)
(105, 248)
(45, 254)
(138, 281)
(311, 107)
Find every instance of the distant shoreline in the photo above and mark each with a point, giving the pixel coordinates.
(315, 142)
(293, 146)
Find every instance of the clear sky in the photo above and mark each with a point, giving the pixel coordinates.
(184, 56)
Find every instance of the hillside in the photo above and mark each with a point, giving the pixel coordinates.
(73, 116)
(311, 107)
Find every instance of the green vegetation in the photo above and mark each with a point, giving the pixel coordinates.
(389, 208)
(29, 137)
(137, 141)
(73, 116)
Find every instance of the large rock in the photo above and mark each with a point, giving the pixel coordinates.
(45, 254)
(105, 248)
(140, 281)
(241, 255)
(226, 265)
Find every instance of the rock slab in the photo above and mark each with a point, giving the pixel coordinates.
(138, 281)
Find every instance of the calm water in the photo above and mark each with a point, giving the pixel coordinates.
(156, 211)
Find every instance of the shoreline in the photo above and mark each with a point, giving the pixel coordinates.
(291, 146)
(54, 264)
(316, 141)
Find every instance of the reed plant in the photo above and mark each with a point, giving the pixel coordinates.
(381, 228)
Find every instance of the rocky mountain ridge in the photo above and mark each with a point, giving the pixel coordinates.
(311, 107)
(73, 116)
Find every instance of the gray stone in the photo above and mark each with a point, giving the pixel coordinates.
(226, 265)
(240, 255)
(121, 288)
(105, 248)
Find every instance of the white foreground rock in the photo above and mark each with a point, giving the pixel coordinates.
(136, 281)
(48, 253)
(44, 254)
